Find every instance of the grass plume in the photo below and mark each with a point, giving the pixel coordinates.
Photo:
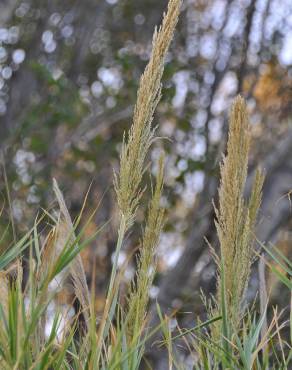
(138, 141)
(139, 295)
(235, 218)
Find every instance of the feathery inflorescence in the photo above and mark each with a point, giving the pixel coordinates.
(235, 219)
(136, 145)
(139, 295)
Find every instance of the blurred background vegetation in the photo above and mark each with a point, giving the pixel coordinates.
(68, 79)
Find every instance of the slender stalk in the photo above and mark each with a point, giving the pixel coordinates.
(121, 237)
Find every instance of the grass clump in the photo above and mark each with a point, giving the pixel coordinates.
(37, 333)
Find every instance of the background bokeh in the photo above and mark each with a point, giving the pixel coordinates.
(69, 72)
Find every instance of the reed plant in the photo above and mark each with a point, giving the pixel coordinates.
(241, 338)
(136, 144)
(55, 263)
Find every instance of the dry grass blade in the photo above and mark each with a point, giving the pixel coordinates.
(66, 230)
(263, 293)
(4, 292)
